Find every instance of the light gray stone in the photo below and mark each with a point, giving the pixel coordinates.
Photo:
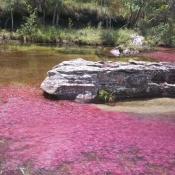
(80, 80)
(137, 40)
(115, 52)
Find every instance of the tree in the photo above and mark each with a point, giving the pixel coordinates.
(30, 26)
(48, 6)
(148, 10)
(56, 12)
(10, 6)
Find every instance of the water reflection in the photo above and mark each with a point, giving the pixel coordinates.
(28, 64)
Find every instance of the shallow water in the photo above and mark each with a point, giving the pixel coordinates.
(28, 64)
(43, 137)
(161, 54)
(142, 106)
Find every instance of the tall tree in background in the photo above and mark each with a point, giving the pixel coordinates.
(50, 6)
(146, 10)
(10, 6)
(56, 12)
(107, 7)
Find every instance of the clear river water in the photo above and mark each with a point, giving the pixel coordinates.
(39, 136)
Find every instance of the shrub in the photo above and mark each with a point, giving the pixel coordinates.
(105, 96)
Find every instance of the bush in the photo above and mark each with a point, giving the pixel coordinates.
(161, 34)
(28, 29)
(165, 33)
(105, 96)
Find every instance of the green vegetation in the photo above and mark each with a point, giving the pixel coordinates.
(92, 22)
(105, 96)
(84, 36)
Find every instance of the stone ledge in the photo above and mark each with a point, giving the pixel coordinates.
(80, 80)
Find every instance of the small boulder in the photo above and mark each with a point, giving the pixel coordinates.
(116, 51)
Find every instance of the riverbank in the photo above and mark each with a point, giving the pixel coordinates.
(148, 106)
(70, 36)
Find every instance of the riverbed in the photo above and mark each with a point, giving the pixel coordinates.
(43, 136)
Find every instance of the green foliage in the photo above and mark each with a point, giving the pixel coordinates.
(104, 9)
(105, 96)
(155, 18)
(10, 7)
(118, 37)
(50, 34)
(70, 23)
(167, 33)
(164, 33)
(123, 36)
(89, 35)
(30, 26)
(5, 34)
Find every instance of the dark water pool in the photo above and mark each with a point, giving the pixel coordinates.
(43, 137)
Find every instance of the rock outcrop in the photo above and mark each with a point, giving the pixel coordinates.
(136, 42)
(80, 80)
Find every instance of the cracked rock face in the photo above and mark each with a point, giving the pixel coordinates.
(80, 80)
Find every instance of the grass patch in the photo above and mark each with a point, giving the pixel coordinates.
(122, 36)
(84, 36)
(88, 35)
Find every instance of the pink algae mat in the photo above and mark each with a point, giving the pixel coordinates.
(40, 136)
(162, 55)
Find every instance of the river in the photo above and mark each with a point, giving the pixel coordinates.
(42, 136)
(29, 63)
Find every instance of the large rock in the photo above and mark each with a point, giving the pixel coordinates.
(80, 80)
(136, 42)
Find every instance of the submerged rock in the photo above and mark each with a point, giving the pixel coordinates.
(80, 80)
(130, 52)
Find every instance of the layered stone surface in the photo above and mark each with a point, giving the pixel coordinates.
(80, 80)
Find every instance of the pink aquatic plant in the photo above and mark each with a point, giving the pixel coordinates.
(161, 55)
(68, 138)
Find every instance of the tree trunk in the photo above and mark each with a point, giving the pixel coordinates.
(54, 14)
(6, 23)
(129, 21)
(44, 15)
(57, 20)
(107, 28)
(39, 5)
(136, 17)
(12, 19)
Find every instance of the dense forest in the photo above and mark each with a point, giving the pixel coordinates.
(88, 21)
